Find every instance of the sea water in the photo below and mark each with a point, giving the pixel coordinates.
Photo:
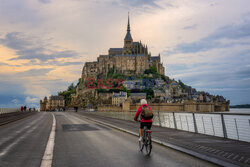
(240, 110)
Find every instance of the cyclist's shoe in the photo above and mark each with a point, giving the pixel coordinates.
(140, 138)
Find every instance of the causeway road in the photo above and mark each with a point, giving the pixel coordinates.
(80, 142)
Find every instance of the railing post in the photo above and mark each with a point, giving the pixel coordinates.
(163, 121)
(169, 121)
(223, 126)
(236, 127)
(180, 122)
(187, 123)
(159, 118)
(175, 126)
(203, 125)
(212, 122)
(195, 125)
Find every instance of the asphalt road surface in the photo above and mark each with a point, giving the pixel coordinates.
(22, 143)
(80, 142)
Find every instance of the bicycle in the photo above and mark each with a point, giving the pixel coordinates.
(146, 141)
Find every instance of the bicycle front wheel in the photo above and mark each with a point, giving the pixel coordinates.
(141, 145)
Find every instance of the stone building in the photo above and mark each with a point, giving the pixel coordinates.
(134, 84)
(119, 98)
(54, 103)
(138, 96)
(43, 104)
(133, 58)
(159, 93)
(105, 96)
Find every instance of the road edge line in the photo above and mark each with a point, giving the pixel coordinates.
(172, 146)
(48, 153)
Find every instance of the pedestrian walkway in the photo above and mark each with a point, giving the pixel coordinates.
(224, 152)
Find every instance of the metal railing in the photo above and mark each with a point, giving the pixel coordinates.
(227, 125)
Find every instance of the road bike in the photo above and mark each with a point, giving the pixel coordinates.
(146, 143)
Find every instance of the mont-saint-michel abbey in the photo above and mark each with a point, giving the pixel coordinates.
(141, 75)
(132, 59)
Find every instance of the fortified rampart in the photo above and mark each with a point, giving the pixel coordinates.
(174, 107)
(109, 108)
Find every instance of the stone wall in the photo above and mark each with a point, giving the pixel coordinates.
(109, 108)
(207, 107)
(174, 107)
(161, 107)
(188, 107)
(126, 106)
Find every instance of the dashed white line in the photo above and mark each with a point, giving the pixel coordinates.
(48, 154)
(9, 147)
(235, 157)
(18, 132)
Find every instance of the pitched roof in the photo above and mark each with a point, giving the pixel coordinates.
(128, 36)
(133, 55)
(115, 49)
(56, 97)
(154, 57)
(138, 94)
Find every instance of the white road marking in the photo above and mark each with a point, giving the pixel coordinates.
(9, 147)
(48, 154)
(22, 131)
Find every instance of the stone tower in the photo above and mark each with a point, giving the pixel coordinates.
(128, 40)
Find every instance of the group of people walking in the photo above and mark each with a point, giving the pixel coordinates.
(24, 108)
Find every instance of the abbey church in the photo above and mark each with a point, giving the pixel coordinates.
(132, 59)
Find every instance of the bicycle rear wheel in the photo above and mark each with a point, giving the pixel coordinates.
(148, 146)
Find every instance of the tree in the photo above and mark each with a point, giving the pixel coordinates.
(149, 91)
(151, 70)
(110, 73)
(79, 81)
(183, 85)
(149, 97)
(67, 93)
(71, 87)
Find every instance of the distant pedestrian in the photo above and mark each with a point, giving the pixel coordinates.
(25, 108)
(76, 108)
(22, 108)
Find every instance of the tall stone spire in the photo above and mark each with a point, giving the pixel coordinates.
(128, 27)
(128, 36)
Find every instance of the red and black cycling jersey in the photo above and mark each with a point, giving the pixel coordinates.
(138, 112)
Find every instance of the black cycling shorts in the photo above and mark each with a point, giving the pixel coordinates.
(147, 124)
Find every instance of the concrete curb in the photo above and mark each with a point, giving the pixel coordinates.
(175, 147)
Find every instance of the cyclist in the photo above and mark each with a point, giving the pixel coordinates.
(148, 122)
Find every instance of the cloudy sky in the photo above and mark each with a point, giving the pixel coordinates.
(44, 43)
